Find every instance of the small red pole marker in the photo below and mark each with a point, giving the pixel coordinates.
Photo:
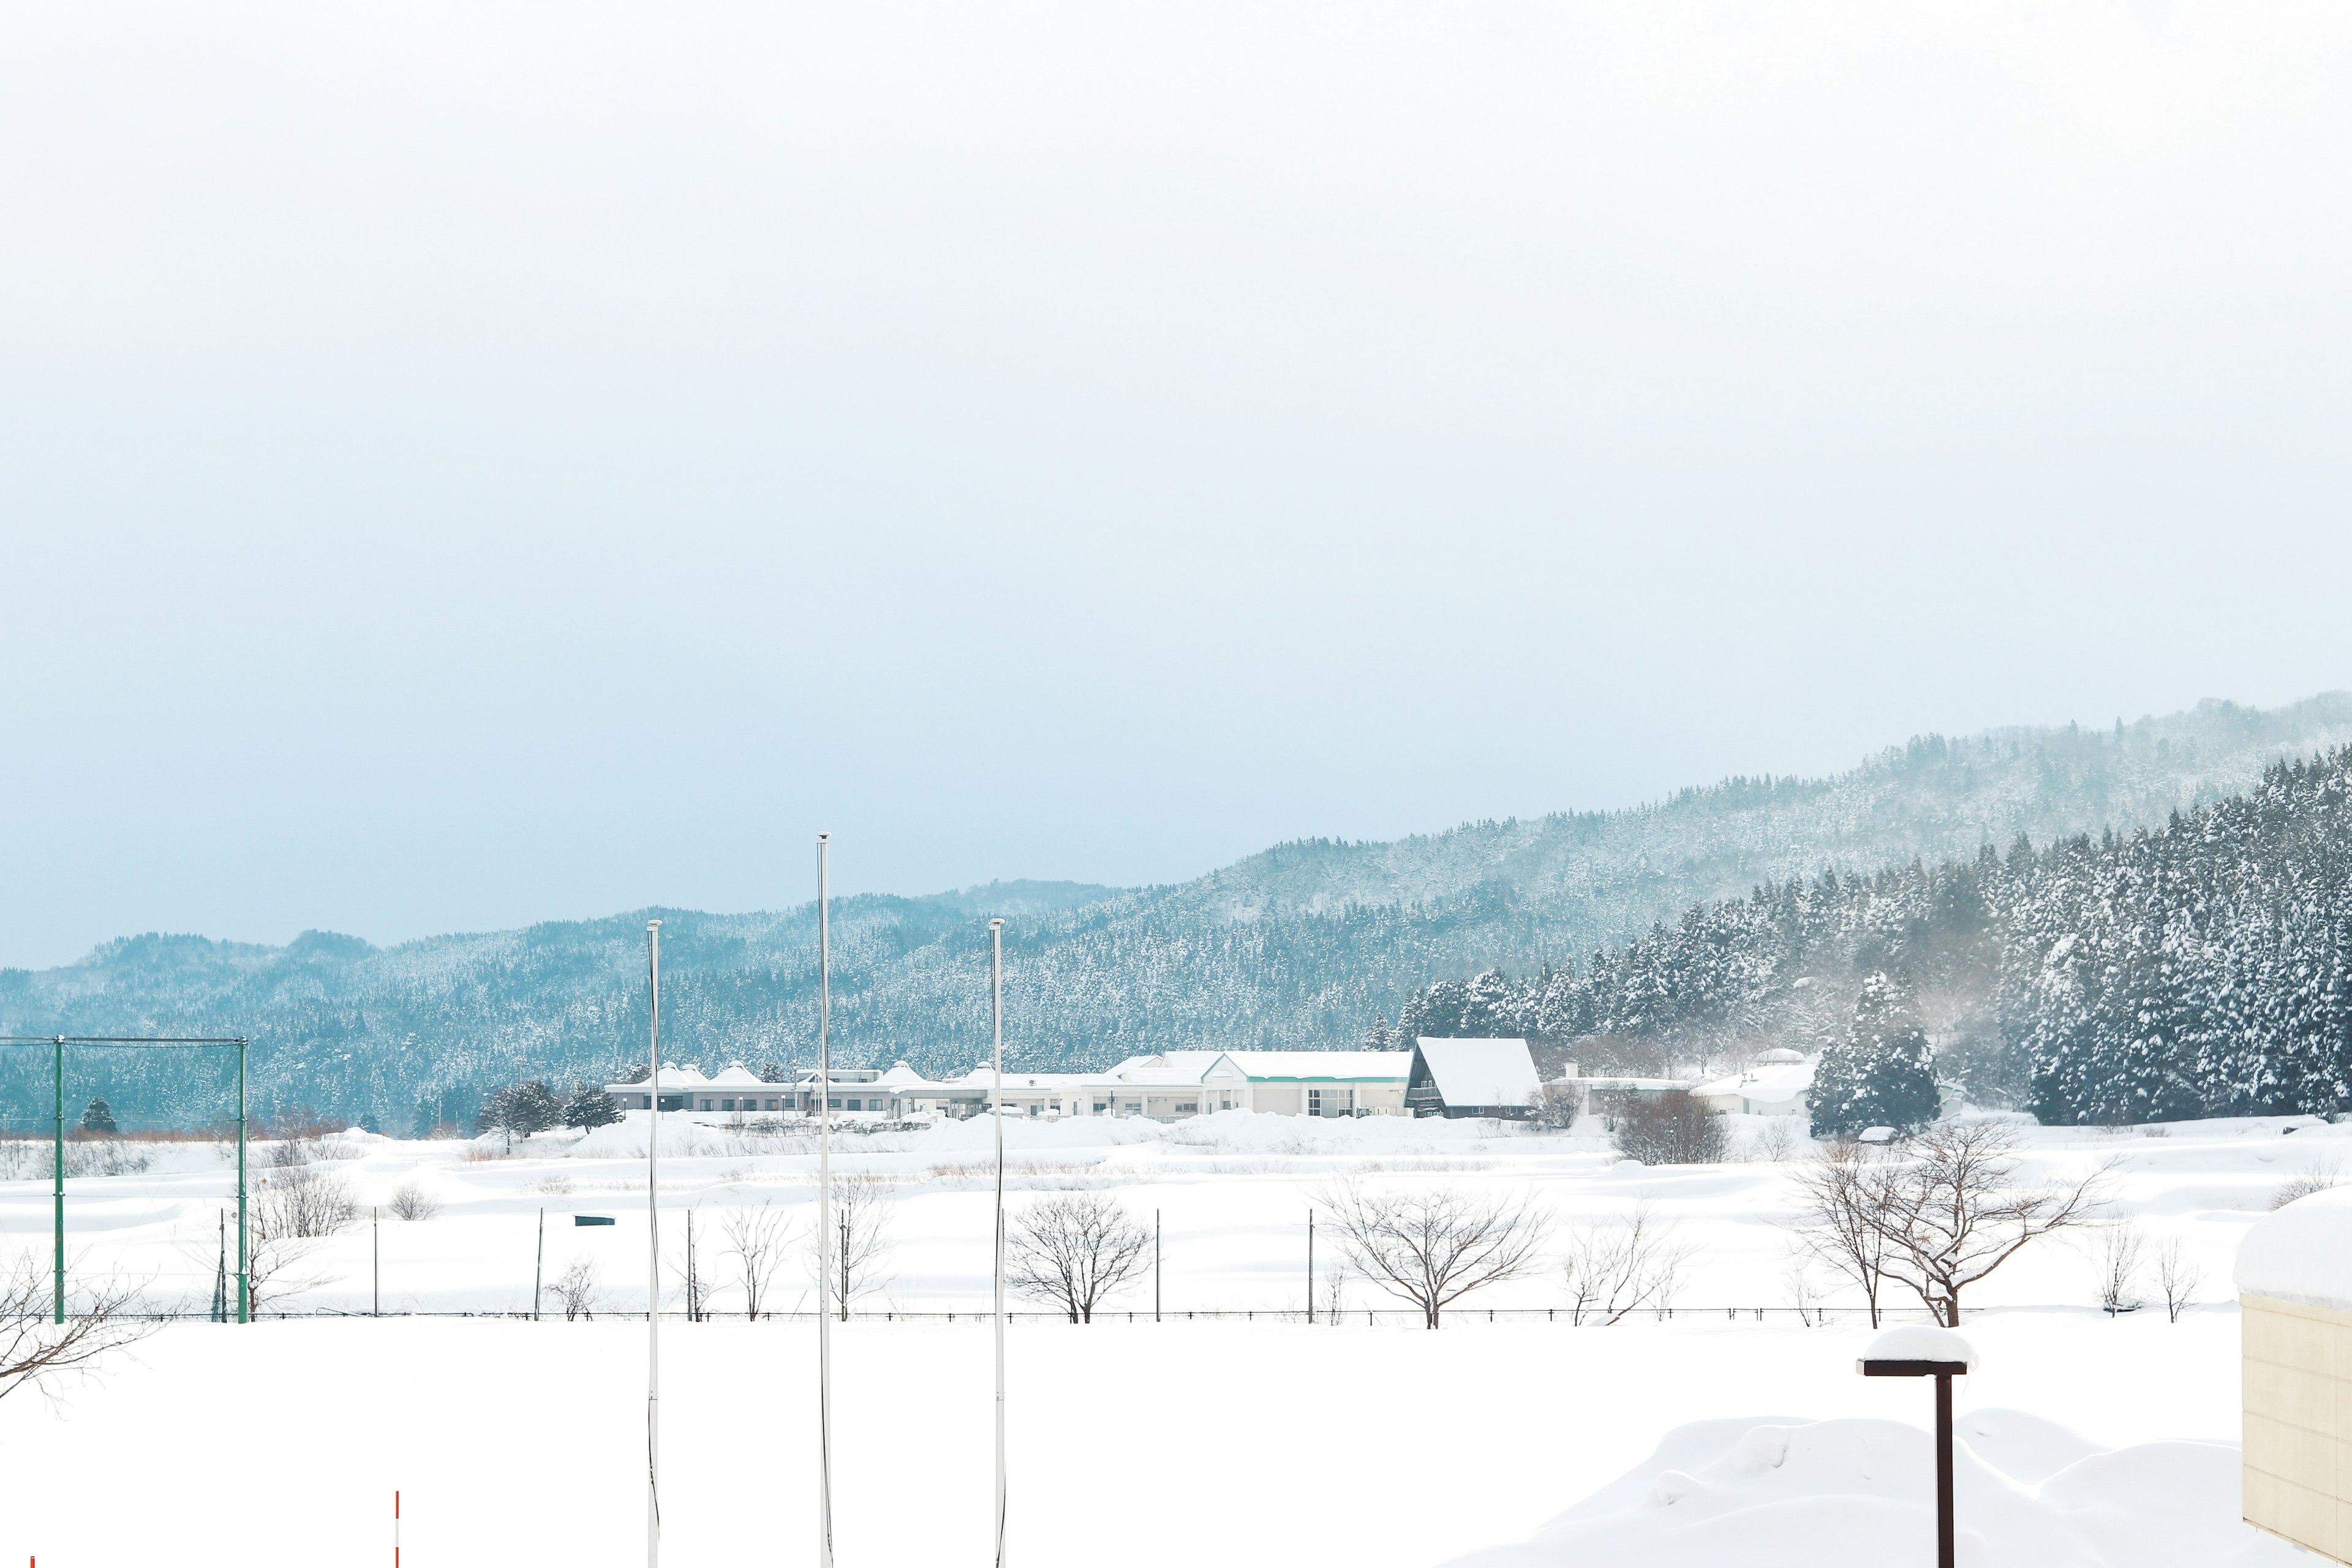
(395, 1530)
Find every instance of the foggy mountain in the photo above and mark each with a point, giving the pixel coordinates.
(1300, 945)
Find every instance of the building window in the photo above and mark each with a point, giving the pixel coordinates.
(1188, 1105)
(705, 1105)
(726, 1105)
(855, 1106)
(1100, 1108)
(833, 1105)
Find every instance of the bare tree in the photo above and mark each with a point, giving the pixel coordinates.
(1613, 1267)
(1074, 1250)
(2322, 1176)
(577, 1288)
(1335, 1294)
(860, 1241)
(2118, 1258)
(36, 1352)
(1776, 1140)
(1433, 1245)
(1805, 1295)
(2177, 1276)
(1847, 1190)
(301, 1201)
(759, 1240)
(1669, 1128)
(1955, 1211)
(293, 1210)
(411, 1201)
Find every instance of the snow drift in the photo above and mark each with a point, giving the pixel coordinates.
(1767, 1492)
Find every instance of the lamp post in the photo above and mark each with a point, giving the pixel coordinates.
(1943, 1355)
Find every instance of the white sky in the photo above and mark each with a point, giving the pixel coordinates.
(465, 464)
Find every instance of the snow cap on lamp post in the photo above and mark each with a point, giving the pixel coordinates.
(1920, 1352)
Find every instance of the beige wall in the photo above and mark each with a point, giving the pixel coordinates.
(2298, 1401)
(1282, 1098)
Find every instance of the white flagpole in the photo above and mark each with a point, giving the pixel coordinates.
(653, 1258)
(823, 1215)
(996, 1006)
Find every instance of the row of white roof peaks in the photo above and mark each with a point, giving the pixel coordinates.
(1169, 1067)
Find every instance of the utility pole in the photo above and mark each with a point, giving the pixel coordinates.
(57, 1088)
(996, 1013)
(652, 1259)
(538, 1266)
(1310, 1265)
(375, 1261)
(824, 1206)
(1155, 1265)
(244, 1248)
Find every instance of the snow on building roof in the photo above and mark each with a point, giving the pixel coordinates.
(900, 1075)
(735, 1073)
(1311, 1065)
(1481, 1072)
(673, 1076)
(1777, 1082)
(2301, 1253)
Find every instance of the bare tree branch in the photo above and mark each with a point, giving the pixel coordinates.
(35, 1352)
(1433, 1245)
(1075, 1250)
(759, 1240)
(1847, 1192)
(1612, 1268)
(1954, 1211)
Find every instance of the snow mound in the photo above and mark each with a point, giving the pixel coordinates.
(1764, 1493)
(2302, 1253)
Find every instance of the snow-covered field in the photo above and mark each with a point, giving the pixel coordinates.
(1179, 1442)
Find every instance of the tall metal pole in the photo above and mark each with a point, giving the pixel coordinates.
(375, 1262)
(538, 1266)
(824, 1211)
(244, 1244)
(996, 1011)
(57, 1088)
(653, 1256)
(1155, 1265)
(1310, 1265)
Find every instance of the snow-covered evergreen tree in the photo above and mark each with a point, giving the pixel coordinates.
(1882, 1074)
(591, 1107)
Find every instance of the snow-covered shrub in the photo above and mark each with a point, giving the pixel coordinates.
(1669, 1128)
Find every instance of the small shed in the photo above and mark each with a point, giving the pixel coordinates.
(2294, 1289)
(1472, 1077)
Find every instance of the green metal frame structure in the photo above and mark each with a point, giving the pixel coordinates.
(57, 1044)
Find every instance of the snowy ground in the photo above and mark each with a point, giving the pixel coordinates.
(1232, 1192)
(1181, 1442)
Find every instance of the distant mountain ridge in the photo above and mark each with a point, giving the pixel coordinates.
(1300, 945)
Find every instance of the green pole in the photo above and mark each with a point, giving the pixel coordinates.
(244, 1254)
(57, 1089)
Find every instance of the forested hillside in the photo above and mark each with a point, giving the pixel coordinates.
(1305, 945)
(2202, 969)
